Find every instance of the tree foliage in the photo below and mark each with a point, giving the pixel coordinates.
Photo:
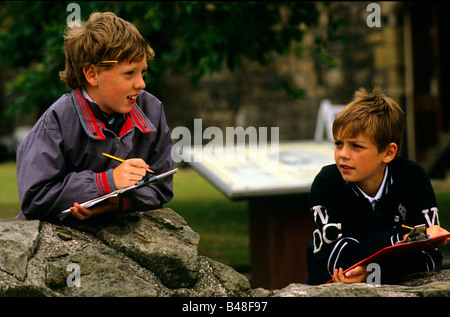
(194, 37)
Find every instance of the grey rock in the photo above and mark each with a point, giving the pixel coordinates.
(328, 290)
(102, 272)
(427, 284)
(159, 240)
(149, 254)
(234, 282)
(18, 240)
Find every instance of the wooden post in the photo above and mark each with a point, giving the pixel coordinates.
(280, 230)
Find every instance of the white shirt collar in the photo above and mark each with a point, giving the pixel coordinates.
(86, 95)
(373, 200)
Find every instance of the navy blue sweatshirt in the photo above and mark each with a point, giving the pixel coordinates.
(347, 228)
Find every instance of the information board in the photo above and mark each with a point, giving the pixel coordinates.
(287, 168)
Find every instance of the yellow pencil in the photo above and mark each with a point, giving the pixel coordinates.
(410, 228)
(120, 160)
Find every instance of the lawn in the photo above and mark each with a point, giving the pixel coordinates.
(9, 197)
(221, 223)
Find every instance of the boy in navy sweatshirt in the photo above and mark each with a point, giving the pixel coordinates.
(60, 162)
(360, 203)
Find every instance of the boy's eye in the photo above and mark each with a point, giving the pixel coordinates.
(131, 72)
(338, 143)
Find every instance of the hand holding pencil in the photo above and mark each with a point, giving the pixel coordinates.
(432, 231)
(130, 172)
(121, 160)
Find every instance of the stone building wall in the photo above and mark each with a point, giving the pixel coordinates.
(251, 96)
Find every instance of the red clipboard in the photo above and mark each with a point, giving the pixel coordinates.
(398, 249)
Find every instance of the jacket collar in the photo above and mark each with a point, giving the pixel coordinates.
(386, 184)
(94, 127)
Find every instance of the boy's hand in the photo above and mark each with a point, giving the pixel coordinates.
(129, 172)
(434, 231)
(357, 275)
(82, 213)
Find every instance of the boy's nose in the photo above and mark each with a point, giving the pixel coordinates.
(344, 152)
(139, 83)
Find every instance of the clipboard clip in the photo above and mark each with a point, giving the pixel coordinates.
(154, 178)
(418, 233)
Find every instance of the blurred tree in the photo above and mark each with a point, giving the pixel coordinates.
(194, 37)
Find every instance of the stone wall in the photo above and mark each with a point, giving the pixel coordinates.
(252, 95)
(148, 254)
(143, 254)
(427, 284)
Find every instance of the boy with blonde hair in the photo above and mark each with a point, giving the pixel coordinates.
(60, 162)
(360, 203)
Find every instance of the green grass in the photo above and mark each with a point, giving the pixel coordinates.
(9, 197)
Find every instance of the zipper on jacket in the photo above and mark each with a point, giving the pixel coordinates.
(116, 143)
(117, 140)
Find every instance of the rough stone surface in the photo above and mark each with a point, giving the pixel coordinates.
(18, 240)
(427, 284)
(161, 241)
(98, 265)
(148, 254)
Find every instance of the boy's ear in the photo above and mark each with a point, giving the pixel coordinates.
(390, 152)
(90, 73)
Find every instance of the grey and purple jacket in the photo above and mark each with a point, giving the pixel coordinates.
(60, 162)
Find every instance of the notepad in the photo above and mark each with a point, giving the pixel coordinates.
(87, 204)
(399, 249)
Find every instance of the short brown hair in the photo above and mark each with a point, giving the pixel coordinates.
(104, 37)
(374, 115)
